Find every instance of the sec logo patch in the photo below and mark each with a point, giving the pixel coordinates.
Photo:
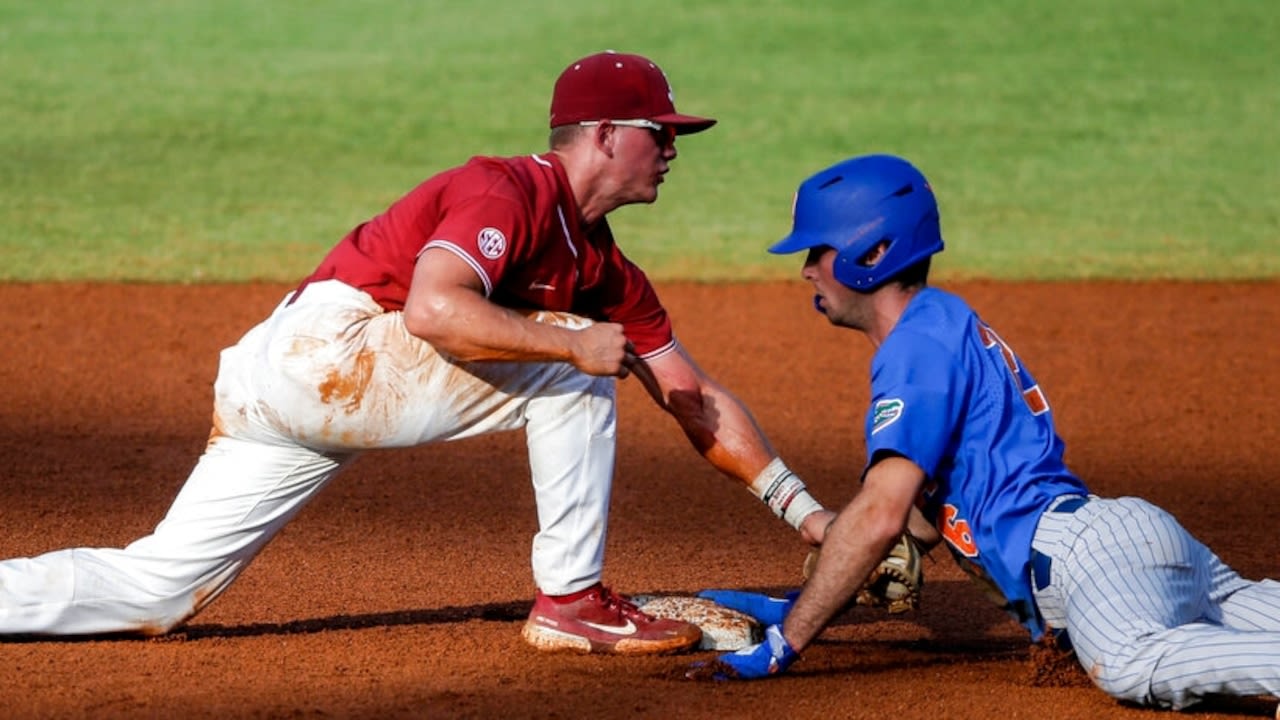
(491, 242)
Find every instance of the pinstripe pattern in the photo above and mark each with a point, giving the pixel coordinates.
(1155, 617)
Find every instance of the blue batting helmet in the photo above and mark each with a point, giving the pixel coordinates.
(853, 205)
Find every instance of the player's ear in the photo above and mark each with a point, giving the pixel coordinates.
(874, 255)
(603, 136)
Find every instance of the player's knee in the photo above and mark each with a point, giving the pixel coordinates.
(163, 598)
(160, 624)
(1126, 676)
(164, 610)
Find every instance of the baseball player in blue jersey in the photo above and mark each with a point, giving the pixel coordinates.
(961, 447)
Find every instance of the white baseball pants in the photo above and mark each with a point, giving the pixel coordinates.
(1154, 616)
(296, 399)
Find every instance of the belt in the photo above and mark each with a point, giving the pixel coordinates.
(1040, 562)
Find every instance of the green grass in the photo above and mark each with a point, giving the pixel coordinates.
(170, 140)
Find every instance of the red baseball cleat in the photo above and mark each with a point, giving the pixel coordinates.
(600, 621)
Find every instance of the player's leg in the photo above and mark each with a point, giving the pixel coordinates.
(571, 431)
(238, 496)
(1140, 617)
(352, 377)
(570, 427)
(571, 438)
(1198, 660)
(1244, 604)
(249, 482)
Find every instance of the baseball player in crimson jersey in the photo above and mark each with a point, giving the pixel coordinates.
(491, 297)
(961, 447)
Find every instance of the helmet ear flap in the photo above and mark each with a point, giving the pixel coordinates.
(845, 269)
(854, 267)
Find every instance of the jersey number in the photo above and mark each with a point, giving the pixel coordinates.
(956, 531)
(1031, 392)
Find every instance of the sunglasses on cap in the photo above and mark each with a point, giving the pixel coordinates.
(664, 135)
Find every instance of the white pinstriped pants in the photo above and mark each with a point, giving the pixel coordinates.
(297, 398)
(1155, 617)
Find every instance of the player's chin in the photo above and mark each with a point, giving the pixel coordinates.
(657, 180)
(649, 196)
(821, 304)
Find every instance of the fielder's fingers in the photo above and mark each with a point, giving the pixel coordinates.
(810, 564)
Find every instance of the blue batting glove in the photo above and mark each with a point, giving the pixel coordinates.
(770, 657)
(768, 610)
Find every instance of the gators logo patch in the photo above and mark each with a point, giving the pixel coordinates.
(885, 413)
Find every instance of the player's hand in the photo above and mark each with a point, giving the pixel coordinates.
(768, 610)
(770, 657)
(813, 529)
(600, 349)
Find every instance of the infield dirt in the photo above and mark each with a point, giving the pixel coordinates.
(401, 590)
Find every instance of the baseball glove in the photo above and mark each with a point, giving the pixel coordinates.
(894, 584)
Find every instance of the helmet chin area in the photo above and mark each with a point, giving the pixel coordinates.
(817, 304)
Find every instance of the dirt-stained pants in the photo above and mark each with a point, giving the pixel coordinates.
(299, 396)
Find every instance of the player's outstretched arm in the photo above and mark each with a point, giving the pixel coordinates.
(859, 538)
(723, 431)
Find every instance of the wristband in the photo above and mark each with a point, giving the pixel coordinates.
(784, 493)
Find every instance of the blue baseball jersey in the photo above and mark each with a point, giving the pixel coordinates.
(950, 395)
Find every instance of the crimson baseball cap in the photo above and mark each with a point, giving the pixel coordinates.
(618, 86)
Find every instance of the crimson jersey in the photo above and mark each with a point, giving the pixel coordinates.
(516, 223)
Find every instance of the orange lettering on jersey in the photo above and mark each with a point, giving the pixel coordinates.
(1035, 400)
(990, 339)
(1033, 396)
(956, 531)
(985, 334)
